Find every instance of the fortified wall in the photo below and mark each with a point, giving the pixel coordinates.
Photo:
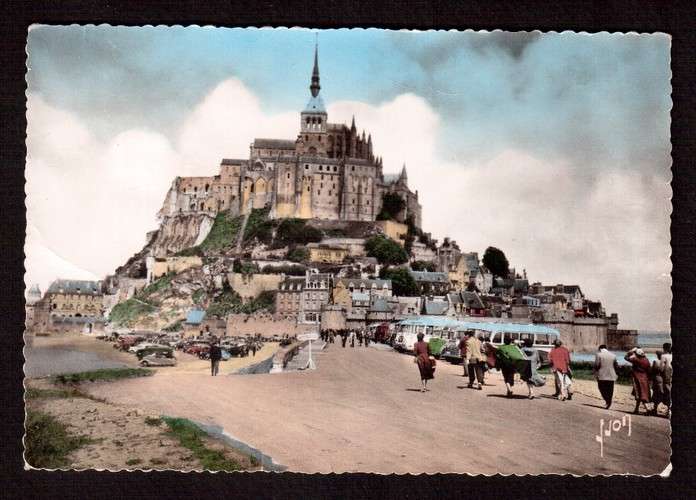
(249, 286)
(264, 324)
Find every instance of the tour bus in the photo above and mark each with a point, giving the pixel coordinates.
(452, 330)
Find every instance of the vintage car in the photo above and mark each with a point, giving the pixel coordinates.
(125, 342)
(237, 349)
(155, 349)
(158, 359)
(140, 346)
(195, 348)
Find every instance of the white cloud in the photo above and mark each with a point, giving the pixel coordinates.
(93, 202)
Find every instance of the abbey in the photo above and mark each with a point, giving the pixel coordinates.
(328, 172)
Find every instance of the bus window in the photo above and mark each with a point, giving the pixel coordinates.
(525, 336)
(496, 338)
(542, 339)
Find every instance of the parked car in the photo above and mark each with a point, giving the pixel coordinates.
(140, 346)
(155, 349)
(238, 349)
(451, 352)
(158, 359)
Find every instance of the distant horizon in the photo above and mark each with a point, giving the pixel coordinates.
(552, 147)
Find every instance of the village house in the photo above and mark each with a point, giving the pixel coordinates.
(431, 283)
(422, 252)
(409, 306)
(326, 254)
(344, 287)
(316, 294)
(289, 297)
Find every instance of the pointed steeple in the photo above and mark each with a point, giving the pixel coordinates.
(352, 125)
(403, 173)
(315, 87)
(369, 138)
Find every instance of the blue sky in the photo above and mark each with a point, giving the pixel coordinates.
(563, 132)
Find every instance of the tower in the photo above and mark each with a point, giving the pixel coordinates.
(313, 117)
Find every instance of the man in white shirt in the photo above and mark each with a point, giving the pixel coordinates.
(605, 367)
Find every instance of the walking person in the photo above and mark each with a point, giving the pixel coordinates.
(560, 366)
(506, 357)
(605, 368)
(215, 356)
(344, 338)
(657, 383)
(352, 338)
(641, 385)
(367, 339)
(666, 368)
(426, 365)
(531, 376)
(360, 338)
(462, 353)
(254, 346)
(474, 360)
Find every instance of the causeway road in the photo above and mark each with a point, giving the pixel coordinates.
(361, 410)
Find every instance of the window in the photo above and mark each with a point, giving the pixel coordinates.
(288, 175)
(319, 192)
(308, 189)
(306, 167)
(335, 169)
(321, 184)
(352, 169)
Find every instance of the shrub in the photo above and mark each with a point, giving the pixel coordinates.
(392, 205)
(198, 296)
(258, 226)
(296, 232)
(421, 265)
(104, 374)
(128, 312)
(223, 234)
(160, 284)
(385, 250)
(190, 252)
(403, 284)
(298, 254)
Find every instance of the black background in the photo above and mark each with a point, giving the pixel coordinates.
(675, 18)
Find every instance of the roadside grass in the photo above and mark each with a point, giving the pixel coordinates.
(191, 436)
(34, 393)
(48, 443)
(103, 375)
(153, 421)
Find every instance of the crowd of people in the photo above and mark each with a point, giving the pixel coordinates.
(348, 337)
(652, 382)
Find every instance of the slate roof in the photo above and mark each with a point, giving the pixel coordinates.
(79, 287)
(361, 297)
(367, 283)
(297, 285)
(430, 277)
(195, 317)
(380, 304)
(473, 300)
(274, 144)
(315, 105)
(232, 161)
(454, 298)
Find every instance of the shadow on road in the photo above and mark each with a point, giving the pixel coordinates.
(514, 396)
(414, 390)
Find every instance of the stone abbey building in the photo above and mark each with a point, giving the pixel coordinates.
(328, 172)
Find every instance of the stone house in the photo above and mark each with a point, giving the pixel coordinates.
(316, 294)
(345, 287)
(289, 297)
(326, 254)
(161, 266)
(431, 283)
(75, 298)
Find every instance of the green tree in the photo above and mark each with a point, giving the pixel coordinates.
(385, 250)
(421, 265)
(403, 284)
(392, 205)
(298, 254)
(296, 231)
(496, 262)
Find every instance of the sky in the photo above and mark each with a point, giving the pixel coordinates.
(552, 147)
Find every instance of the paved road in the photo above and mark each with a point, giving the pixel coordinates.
(361, 411)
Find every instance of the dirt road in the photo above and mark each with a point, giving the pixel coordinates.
(361, 411)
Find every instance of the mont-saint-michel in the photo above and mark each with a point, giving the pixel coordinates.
(316, 263)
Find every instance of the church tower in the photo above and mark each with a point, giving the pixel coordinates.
(313, 137)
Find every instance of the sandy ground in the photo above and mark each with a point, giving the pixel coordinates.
(361, 410)
(122, 436)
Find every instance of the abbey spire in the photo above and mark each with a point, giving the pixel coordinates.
(315, 87)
